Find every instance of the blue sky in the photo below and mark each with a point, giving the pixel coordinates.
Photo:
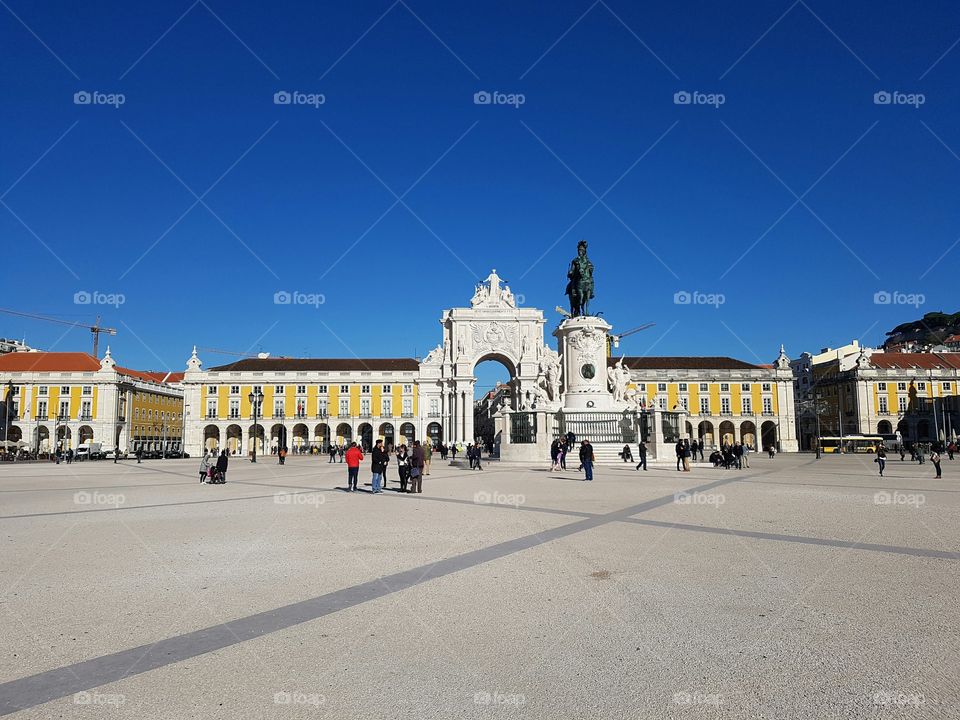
(704, 197)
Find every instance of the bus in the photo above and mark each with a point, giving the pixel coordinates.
(851, 444)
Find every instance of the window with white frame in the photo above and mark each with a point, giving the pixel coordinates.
(882, 387)
(745, 387)
(768, 406)
(234, 408)
(882, 405)
(386, 407)
(42, 390)
(724, 406)
(344, 388)
(901, 386)
(278, 408)
(407, 389)
(704, 387)
(747, 406)
(724, 387)
(322, 389)
(902, 404)
(301, 407)
(766, 386)
(407, 407)
(234, 389)
(365, 406)
(386, 388)
(322, 407)
(434, 407)
(64, 408)
(279, 389)
(921, 387)
(64, 389)
(947, 386)
(86, 409)
(212, 407)
(87, 390)
(301, 389)
(344, 407)
(661, 387)
(705, 405)
(42, 409)
(683, 387)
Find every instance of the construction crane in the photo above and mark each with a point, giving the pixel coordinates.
(613, 341)
(95, 329)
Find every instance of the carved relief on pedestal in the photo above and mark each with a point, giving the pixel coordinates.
(587, 343)
(493, 336)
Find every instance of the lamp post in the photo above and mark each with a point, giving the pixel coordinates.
(255, 400)
(6, 414)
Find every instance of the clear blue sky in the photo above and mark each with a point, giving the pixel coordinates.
(705, 204)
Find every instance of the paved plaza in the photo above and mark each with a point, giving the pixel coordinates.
(795, 589)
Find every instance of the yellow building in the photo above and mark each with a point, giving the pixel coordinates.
(63, 399)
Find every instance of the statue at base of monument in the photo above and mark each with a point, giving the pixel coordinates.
(580, 285)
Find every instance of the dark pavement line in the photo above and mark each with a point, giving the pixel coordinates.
(802, 539)
(43, 687)
(148, 507)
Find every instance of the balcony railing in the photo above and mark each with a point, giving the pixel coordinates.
(85, 416)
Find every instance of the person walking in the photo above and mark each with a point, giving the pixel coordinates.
(427, 456)
(282, 455)
(470, 455)
(686, 456)
(332, 452)
(881, 459)
(353, 456)
(935, 459)
(403, 467)
(587, 459)
(416, 468)
(745, 455)
(642, 453)
(116, 454)
(378, 466)
(476, 457)
(204, 466)
(221, 466)
(678, 449)
(555, 456)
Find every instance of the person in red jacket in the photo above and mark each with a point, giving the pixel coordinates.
(354, 456)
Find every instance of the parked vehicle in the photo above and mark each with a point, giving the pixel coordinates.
(90, 451)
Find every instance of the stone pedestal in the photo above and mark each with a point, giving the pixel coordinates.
(582, 342)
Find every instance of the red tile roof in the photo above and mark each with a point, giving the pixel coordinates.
(52, 362)
(686, 363)
(908, 361)
(318, 364)
(48, 362)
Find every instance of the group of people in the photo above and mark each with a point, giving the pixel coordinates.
(562, 447)
(412, 464)
(917, 454)
(736, 455)
(213, 467)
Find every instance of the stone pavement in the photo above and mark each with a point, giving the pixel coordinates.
(795, 589)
